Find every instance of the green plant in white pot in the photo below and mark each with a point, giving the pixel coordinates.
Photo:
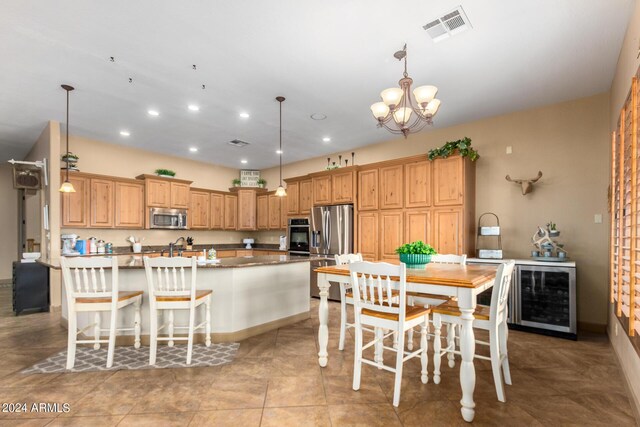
(416, 254)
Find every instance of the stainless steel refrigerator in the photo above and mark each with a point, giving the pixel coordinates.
(331, 234)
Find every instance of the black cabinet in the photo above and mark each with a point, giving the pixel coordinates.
(30, 287)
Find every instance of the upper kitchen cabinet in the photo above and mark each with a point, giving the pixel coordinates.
(101, 207)
(334, 187)
(448, 181)
(306, 197)
(199, 209)
(343, 187)
(368, 190)
(216, 214)
(129, 204)
(284, 208)
(293, 198)
(166, 192)
(75, 206)
(391, 187)
(275, 211)
(230, 211)
(321, 190)
(180, 197)
(417, 184)
(262, 212)
(247, 210)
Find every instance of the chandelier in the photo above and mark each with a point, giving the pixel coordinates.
(399, 112)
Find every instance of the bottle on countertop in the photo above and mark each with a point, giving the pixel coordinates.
(93, 247)
(212, 254)
(108, 248)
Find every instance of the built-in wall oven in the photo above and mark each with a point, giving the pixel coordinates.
(172, 219)
(298, 236)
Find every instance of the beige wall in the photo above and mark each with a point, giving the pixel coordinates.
(9, 221)
(568, 142)
(628, 63)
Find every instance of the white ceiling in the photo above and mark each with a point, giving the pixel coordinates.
(331, 57)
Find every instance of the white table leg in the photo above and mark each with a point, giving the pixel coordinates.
(323, 316)
(467, 370)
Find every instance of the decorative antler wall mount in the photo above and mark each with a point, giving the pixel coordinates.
(527, 184)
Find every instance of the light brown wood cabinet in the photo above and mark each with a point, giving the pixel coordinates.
(306, 197)
(101, 203)
(199, 209)
(262, 214)
(284, 206)
(179, 195)
(246, 210)
(417, 226)
(368, 235)
(448, 181)
(225, 253)
(230, 211)
(321, 190)
(368, 190)
(158, 193)
(129, 205)
(217, 211)
(274, 211)
(343, 189)
(293, 198)
(391, 234)
(448, 231)
(417, 184)
(75, 206)
(391, 187)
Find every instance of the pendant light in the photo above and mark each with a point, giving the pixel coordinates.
(66, 186)
(280, 192)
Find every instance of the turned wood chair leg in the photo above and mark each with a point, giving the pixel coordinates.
(357, 360)
(112, 338)
(96, 330)
(424, 346)
(494, 349)
(451, 344)
(207, 314)
(170, 329)
(153, 336)
(437, 347)
(399, 363)
(503, 335)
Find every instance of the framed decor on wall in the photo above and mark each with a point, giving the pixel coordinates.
(249, 178)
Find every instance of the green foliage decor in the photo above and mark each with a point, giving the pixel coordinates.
(262, 181)
(463, 146)
(419, 247)
(165, 172)
(236, 181)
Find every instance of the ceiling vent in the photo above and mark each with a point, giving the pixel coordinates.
(238, 143)
(448, 25)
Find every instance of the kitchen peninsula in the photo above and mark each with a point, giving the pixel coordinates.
(251, 295)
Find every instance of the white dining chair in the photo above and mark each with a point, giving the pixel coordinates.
(491, 318)
(91, 285)
(170, 290)
(372, 295)
(432, 300)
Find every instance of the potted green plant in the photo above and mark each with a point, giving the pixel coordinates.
(416, 254)
(553, 230)
(236, 182)
(70, 159)
(262, 183)
(461, 146)
(167, 173)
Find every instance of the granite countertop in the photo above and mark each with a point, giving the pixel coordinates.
(151, 249)
(135, 261)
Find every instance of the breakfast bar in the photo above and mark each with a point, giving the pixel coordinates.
(250, 295)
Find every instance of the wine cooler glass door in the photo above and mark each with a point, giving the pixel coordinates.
(546, 297)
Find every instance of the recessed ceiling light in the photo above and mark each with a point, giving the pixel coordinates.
(278, 151)
(243, 161)
(153, 113)
(193, 149)
(244, 115)
(318, 116)
(124, 133)
(326, 139)
(193, 107)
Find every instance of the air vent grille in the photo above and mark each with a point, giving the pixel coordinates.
(447, 25)
(238, 143)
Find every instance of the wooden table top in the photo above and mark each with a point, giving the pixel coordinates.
(462, 276)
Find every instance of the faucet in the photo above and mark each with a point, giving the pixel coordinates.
(172, 245)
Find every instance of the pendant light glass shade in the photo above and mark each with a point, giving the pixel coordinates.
(379, 110)
(402, 115)
(281, 192)
(66, 186)
(432, 107)
(424, 94)
(391, 96)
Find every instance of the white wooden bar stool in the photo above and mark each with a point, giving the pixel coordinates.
(491, 318)
(88, 290)
(169, 290)
(432, 300)
(372, 295)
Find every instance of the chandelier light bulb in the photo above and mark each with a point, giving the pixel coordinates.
(402, 116)
(379, 110)
(424, 94)
(391, 96)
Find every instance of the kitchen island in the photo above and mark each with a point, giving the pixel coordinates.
(251, 295)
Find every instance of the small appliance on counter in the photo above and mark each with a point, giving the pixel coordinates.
(283, 243)
(30, 256)
(248, 243)
(69, 244)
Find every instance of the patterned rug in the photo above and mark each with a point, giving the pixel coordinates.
(128, 357)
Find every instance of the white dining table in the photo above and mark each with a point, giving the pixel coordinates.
(464, 282)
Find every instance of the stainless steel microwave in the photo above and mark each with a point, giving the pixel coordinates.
(173, 219)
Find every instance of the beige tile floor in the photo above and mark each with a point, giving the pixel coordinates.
(275, 381)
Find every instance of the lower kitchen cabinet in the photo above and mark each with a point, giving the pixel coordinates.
(391, 233)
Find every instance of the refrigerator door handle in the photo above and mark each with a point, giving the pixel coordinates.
(339, 219)
(327, 233)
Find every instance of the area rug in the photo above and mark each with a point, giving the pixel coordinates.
(128, 357)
